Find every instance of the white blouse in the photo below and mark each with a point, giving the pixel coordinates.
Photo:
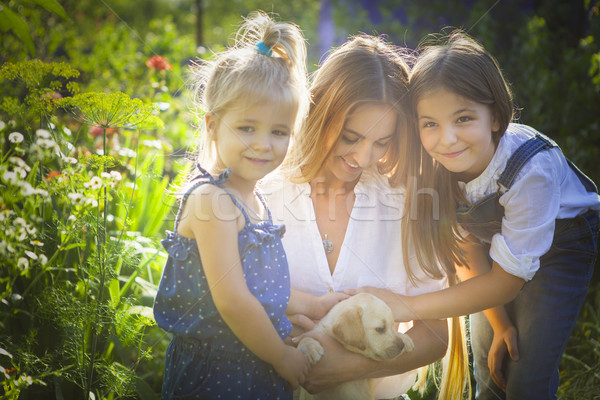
(371, 254)
(544, 190)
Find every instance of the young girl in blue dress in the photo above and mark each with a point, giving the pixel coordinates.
(225, 287)
(503, 194)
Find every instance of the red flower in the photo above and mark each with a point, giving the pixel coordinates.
(53, 174)
(158, 63)
(96, 131)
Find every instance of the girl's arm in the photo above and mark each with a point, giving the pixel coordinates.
(216, 234)
(505, 333)
(490, 289)
(339, 365)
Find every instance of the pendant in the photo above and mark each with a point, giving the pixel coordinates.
(327, 245)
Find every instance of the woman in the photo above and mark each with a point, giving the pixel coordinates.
(342, 215)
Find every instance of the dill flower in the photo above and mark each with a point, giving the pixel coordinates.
(112, 110)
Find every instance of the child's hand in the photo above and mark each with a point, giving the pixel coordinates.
(293, 366)
(399, 304)
(503, 341)
(325, 302)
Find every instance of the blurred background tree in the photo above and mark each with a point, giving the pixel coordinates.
(549, 51)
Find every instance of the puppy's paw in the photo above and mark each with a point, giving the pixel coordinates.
(311, 349)
(408, 343)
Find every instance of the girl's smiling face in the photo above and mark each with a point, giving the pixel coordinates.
(252, 141)
(457, 132)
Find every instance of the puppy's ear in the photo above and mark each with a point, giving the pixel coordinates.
(349, 330)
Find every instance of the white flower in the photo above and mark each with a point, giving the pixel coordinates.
(72, 218)
(20, 172)
(22, 235)
(125, 152)
(76, 198)
(26, 188)
(20, 163)
(31, 254)
(20, 221)
(43, 259)
(91, 201)
(10, 177)
(43, 134)
(2, 125)
(41, 192)
(23, 263)
(152, 143)
(70, 160)
(16, 137)
(36, 243)
(116, 175)
(105, 175)
(67, 131)
(46, 143)
(94, 183)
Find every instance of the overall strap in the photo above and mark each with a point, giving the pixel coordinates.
(520, 157)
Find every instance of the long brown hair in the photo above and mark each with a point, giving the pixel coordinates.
(459, 64)
(365, 69)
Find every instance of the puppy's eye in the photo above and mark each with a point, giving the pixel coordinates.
(381, 329)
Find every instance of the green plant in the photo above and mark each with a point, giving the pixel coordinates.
(72, 278)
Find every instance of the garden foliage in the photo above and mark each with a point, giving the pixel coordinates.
(93, 129)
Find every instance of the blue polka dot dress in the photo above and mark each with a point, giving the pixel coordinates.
(205, 360)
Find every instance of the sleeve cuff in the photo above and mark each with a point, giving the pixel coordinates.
(523, 266)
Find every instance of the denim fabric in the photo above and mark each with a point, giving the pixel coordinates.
(544, 314)
(484, 218)
(546, 308)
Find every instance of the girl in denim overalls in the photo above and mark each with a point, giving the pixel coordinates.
(493, 192)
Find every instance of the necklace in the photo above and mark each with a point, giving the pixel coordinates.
(327, 245)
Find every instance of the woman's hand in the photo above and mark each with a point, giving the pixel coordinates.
(337, 365)
(503, 341)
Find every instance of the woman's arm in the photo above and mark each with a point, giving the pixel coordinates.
(216, 236)
(339, 365)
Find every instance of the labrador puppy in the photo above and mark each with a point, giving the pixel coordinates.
(363, 324)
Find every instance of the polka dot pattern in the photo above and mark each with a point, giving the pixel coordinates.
(205, 360)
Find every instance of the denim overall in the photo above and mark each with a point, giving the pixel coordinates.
(547, 306)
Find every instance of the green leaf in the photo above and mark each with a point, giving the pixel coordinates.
(144, 390)
(53, 6)
(11, 21)
(115, 292)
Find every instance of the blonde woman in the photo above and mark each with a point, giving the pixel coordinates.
(343, 215)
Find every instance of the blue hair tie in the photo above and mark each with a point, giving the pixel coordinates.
(263, 49)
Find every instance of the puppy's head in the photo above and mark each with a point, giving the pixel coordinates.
(364, 324)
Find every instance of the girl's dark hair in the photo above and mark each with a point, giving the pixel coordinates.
(461, 65)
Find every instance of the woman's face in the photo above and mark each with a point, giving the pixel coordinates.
(366, 135)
